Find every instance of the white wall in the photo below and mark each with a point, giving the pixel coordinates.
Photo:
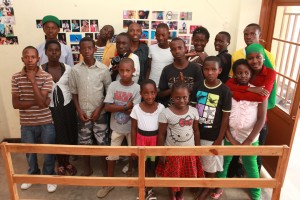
(215, 15)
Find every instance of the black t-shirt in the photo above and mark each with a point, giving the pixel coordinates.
(225, 58)
(170, 74)
(211, 102)
(142, 52)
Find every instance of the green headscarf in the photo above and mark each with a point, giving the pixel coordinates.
(257, 48)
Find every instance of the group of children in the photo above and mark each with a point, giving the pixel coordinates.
(182, 100)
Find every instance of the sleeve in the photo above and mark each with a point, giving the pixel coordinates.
(194, 92)
(137, 96)
(269, 80)
(226, 107)
(72, 82)
(248, 96)
(48, 84)
(109, 98)
(14, 86)
(106, 78)
(133, 113)
(163, 82)
(232, 84)
(162, 118)
(69, 58)
(199, 75)
(195, 113)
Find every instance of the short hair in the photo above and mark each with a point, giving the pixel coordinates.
(163, 25)
(30, 47)
(178, 39)
(201, 30)
(240, 62)
(179, 84)
(123, 34)
(257, 26)
(126, 60)
(134, 23)
(212, 58)
(52, 41)
(113, 30)
(146, 82)
(87, 39)
(226, 34)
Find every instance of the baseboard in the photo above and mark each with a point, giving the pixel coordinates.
(12, 140)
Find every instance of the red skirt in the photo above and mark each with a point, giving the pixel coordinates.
(180, 166)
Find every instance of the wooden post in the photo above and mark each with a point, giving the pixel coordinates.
(142, 167)
(279, 176)
(9, 172)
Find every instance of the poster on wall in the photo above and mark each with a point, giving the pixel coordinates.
(94, 25)
(143, 14)
(182, 27)
(7, 20)
(186, 16)
(171, 15)
(193, 27)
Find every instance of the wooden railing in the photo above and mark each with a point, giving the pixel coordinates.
(141, 181)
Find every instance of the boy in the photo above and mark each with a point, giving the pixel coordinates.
(222, 41)
(190, 72)
(121, 96)
(87, 81)
(159, 54)
(123, 51)
(30, 89)
(213, 101)
(51, 28)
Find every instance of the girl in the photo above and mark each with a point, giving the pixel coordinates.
(61, 105)
(178, 126)
(245, 122)
(199, 40)
(144, 125)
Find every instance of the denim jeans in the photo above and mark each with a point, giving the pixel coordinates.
(44, 134)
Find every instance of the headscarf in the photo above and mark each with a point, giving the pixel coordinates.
(258, 48)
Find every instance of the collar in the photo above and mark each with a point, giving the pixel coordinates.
(264, 71)
(96, 64)
(223, 51)
(38, 73)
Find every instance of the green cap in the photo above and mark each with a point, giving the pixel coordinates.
(51, 18)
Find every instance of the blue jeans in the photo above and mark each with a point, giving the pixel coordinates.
(44, 134)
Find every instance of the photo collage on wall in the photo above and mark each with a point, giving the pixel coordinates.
(75, 30)
(7, 20)
(177, 21)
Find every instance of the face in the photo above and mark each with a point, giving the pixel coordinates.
(251, 35)
(106, 33)
(125, 71)
(199, 42)
(123, 44)
(51, 30)
(256, 61)
(242, 74)
(87, 50)
(149, 93)
(221, 42)
(180, 97)
(177, 49)
(30, 59)
(211, 70)
(53, 52)
(162, 35)
(135, 32)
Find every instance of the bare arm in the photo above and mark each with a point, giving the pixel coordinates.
(164, 93)
(18, 104)
(133, 131)
(40, 96)
(148, 68)
(196, 132)
(224, 126)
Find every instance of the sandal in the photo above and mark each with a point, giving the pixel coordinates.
(61, 171)
(215, 195)
(71, 170)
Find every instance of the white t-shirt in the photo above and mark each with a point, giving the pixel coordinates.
(160, 58)
(146, 121)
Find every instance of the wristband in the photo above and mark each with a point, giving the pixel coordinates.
(125, 107)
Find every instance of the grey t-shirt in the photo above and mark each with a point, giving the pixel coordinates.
(119, 94)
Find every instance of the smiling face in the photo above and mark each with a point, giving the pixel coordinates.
(242, 74)
(199, 42)
(135, 32)
(221, 42)
(256, 61)
(149, 93)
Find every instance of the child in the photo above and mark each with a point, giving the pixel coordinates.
(178, 126)
(245, 122)
(144, 125)
(159, 54)
(121, 96)
(213, 101)
(222, 41)
(87, 81)
(199, 39)
(191, 72)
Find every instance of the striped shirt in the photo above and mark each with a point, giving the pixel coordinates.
(33, 116)
(98, 55)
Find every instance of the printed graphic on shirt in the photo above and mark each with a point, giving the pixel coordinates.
(206, 106)
(121, 98)
(188, 80)
(182, 136)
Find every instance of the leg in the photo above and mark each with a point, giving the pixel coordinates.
(28, 135)
(172, 195)
(130, 161)
(179, 194)
(48, 137)
(262, 140)
(250, 164)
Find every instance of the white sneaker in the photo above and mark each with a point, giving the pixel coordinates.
(25, 186)
(51, 187)
(104, 191)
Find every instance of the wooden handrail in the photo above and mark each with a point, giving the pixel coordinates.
(141, 181)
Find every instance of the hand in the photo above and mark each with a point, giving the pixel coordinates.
(128, 112)
(234, 141)
(96, 114)
(162, 159)
(31, 75)
(202, 56)
(181, 77)
(247, 142)
(82, 116)
(191, 53)
(259, 90)
(217, 142)
(129, 103)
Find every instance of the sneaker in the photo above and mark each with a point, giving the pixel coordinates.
(25, 186)
(104, 191)
(51, 187)
(125, 169)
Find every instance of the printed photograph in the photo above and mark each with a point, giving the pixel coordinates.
(186, 39)
(193, 27)
(145, 35)
(157, 15)
(75, 57)
(75, 48)
(182, 27)
(144, 24)
(9, 30)
(75, 25)
(153, 35)
(154, 24)
(173, 25)
(39, 23)
(62, 38)
(85, 25)
(113, 39)
(6, 2)
(126, 23)
(75, 38)
(173, 34)
(171, 15)
(185, 15)
(89, 35)
(96, 36)
(94, 25)
(143, 14)
(65, 25)
(7, 11)
(129, 14)
(13, 40)
(8, 20)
